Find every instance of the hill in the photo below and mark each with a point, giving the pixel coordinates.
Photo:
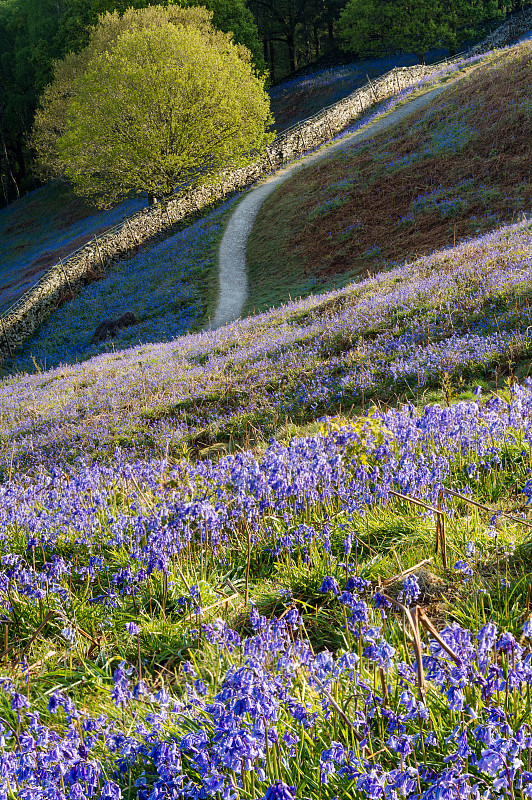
(289, 559)
(170, 286)
(50, 223)
(457, 168)
(135, 662)
(300, 96)
(44, 227)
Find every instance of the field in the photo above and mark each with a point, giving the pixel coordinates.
(170, 286)
(43, 227)
(300, 97)
(287, 559)
(186, 616)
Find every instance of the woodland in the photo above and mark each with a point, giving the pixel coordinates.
(284, 36)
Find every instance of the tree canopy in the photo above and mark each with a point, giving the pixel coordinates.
(158, 99)
(376, 27)
(302, 28)
(35, 33)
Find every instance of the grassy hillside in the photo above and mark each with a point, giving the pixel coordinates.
(289, 559)
(170, 286)
(43, 227)
(456, 169)
(301, 96)
(50, 223)
(180, 623)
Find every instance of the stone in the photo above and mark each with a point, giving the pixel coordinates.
(110, 327)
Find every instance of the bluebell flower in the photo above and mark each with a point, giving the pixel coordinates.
(132, 628)
(464, 568)
(329, 585)
(280, 791)
(111, 791)
(293, 618)
(19, 701)
(411, 590)
(69, 634)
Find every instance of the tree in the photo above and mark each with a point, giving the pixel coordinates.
(50, 117)
(290, 22)
(376, 27)
(158, 100)
(230, 16)
(35, 33)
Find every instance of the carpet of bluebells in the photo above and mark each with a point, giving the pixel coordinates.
(163, 285)
(273, 715)
(183, 617)
(36, 225)
(455, 318)
(192, 628)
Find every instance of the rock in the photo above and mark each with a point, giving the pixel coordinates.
(110, 327)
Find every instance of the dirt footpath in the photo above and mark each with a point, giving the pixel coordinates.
(232, 251)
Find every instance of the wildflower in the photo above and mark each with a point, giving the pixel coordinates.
(132, 628)
(411, 590)
(471, 549)
(69, 634)
(293, 618)
(329, 585)
(280, 791)
(464, 568)
(19, 701)
(195, 594)
(401, 744)
(111, 791)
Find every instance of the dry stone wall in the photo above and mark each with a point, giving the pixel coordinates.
(61, 282)
(508, 33)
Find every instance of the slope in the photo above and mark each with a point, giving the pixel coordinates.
(180, 623)
(458, 168)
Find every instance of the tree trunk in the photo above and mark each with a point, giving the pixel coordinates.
(291, 44)
(306, 38)
(5, 155)
(330, 29)
(272, 60)
(152, 199)
(317, 43)
(4, 183)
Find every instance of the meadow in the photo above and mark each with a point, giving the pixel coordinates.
(297, 98)
(289, 559)
(170, 286)
(44, 226)
(218, 580)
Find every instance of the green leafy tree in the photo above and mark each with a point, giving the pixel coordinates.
(159, 99)
(230, 16)
(376, 27)
(35, 33)
(50, 117)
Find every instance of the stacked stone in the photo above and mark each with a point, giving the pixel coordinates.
(506, 34)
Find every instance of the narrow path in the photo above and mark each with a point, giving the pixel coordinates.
(232, 251)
